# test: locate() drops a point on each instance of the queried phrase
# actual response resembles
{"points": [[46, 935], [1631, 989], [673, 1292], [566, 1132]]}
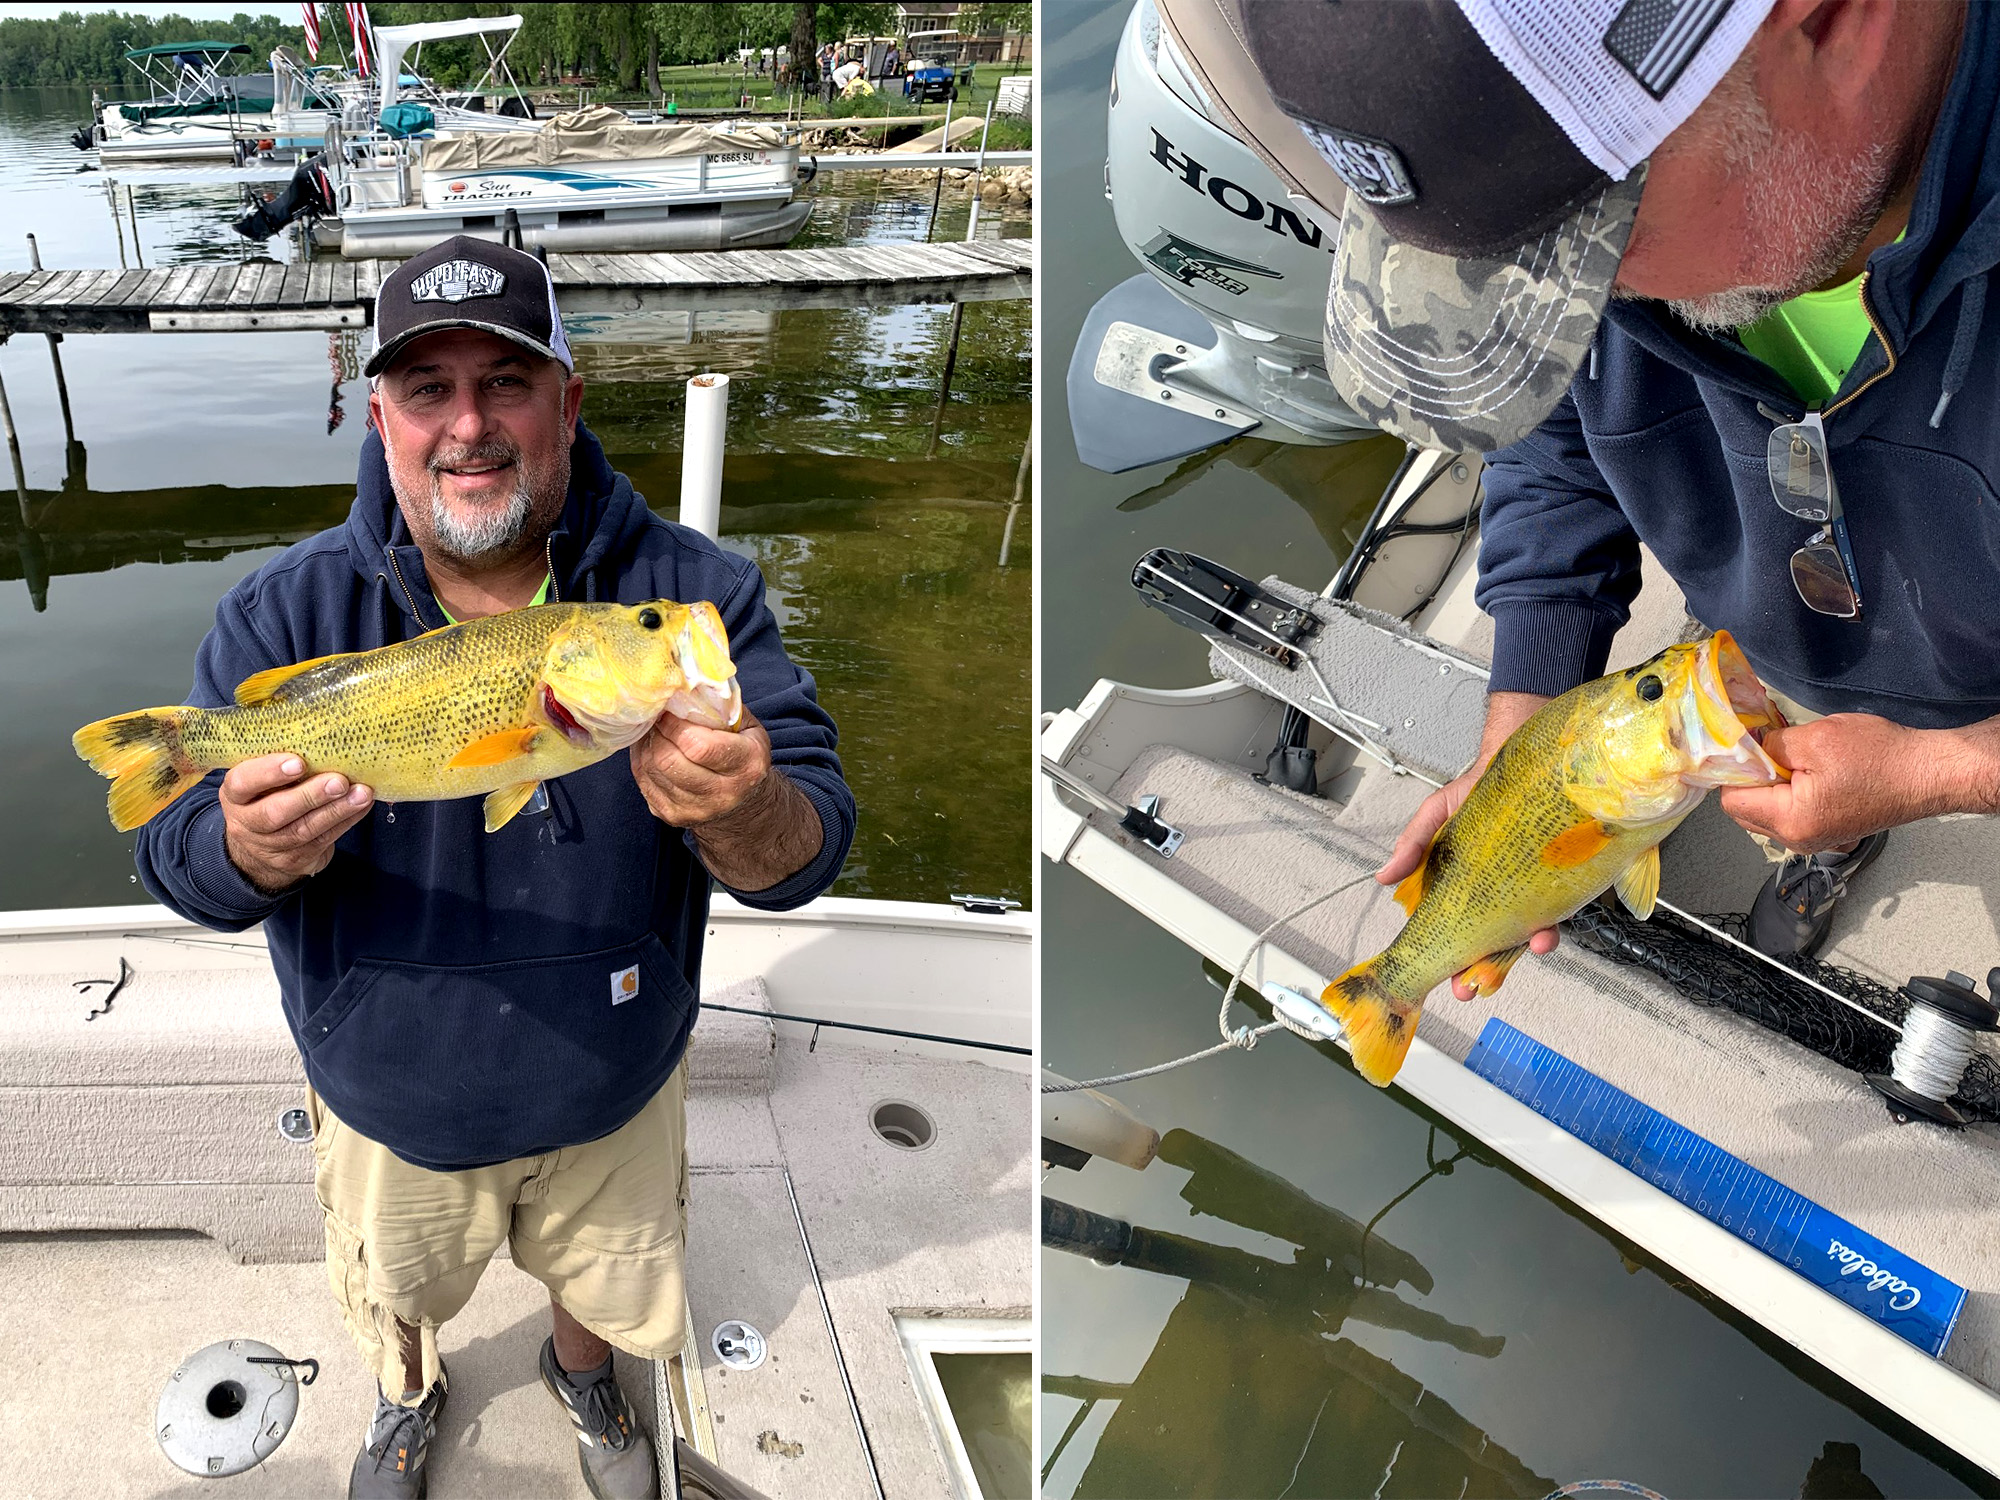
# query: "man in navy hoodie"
{"points": [[1708, 275], [493, 1025]]}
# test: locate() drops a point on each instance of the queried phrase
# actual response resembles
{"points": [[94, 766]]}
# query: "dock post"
{"points": [[132, 208], [117, 223], [701, 453], [937, 189], [55, 356], [1020, 490], [944, 385]]}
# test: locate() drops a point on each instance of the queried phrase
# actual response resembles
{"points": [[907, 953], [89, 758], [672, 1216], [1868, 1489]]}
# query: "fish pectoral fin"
{"points": [[1639, 886], [1411, 891], [268, 685], [1486, 976], [1573, 846], [509, 800], [498, 749]]}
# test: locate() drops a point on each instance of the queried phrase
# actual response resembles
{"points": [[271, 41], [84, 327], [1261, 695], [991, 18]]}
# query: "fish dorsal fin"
{"points": [[1411, 891], [1486, 976], [503, 804], [498, 749], [1574, 845], [268, 686], [1639, 886]]}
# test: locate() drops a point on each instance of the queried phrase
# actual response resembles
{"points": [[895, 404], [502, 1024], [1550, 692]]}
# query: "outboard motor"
{"points": [[1222, 336], [309, 192]]}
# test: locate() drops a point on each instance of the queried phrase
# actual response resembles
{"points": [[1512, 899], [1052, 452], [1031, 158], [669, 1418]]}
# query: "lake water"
{"points": [[198, 456], [1559, 1352]]}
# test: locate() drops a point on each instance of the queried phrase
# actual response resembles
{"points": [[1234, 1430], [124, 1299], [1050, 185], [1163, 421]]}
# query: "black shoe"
{"points": [[390, 1465], [616, 1457], [1794, 908]]}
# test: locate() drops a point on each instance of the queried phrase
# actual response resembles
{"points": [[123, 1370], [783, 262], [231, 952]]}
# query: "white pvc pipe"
{"points": [[701, 454]]}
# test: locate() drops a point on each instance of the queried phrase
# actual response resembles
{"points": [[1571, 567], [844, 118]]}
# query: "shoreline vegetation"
{"points": [[639, 51]]}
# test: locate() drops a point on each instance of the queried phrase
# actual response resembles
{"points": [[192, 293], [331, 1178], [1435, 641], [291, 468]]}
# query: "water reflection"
{"points": [[1250, 1388]]}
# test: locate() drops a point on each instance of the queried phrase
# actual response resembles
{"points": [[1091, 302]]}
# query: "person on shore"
{"points": [[493, 1025], [1696, 276]]}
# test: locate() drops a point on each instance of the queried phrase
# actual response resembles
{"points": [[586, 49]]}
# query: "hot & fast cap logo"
{"points": [[457, 280]]}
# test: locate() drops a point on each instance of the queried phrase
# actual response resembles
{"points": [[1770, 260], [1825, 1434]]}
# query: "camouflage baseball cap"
{"points": [[1493, 153]]}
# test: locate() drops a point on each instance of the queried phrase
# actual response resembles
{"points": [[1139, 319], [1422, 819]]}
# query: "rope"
{"points": [[1242, 1037]]}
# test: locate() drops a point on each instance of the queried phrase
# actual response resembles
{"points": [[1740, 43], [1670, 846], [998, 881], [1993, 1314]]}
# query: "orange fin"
{"points": [[1378, 1025], [1486, 976], [497, 749], [503, 804], [268, 685], [142, 753], [1575, 845], [1639, 886], [1411, 891]]}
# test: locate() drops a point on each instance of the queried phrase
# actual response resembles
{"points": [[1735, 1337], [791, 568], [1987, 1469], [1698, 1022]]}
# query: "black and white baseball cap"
{"points": [[469, 283], [1493, 153]]}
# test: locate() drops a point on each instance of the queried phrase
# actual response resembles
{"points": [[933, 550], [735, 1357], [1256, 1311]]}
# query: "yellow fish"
{"points": [[492, 706], [1576, 801]]}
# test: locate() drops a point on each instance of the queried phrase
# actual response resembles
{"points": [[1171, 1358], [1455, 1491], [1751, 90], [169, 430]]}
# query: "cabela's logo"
{"points": [[456, 280], [1854, 1263], [1188, 263]]}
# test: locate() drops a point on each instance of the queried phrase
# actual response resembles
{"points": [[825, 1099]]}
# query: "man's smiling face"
{"points": [[477, 431]]}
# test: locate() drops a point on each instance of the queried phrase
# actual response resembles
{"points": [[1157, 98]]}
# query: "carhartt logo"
{"points": [[625, 985], [1188, 263], [1373, 170], [456, 280]]}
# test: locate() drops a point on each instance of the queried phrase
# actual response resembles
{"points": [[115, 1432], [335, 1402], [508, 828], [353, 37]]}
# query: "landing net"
{"points": [[1711, 973]]}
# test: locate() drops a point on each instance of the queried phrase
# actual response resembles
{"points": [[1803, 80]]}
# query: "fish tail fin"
{"points": [[142, 753], [1378, 1022]]}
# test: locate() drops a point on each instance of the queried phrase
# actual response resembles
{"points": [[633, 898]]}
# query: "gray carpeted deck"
{"points": [[1928, 905]]}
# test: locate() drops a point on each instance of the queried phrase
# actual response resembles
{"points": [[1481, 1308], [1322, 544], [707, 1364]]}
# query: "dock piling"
{"points": [[1020, 491], [701, 453], [937, 190], [132, 208], [55, 357], [117, 223]]}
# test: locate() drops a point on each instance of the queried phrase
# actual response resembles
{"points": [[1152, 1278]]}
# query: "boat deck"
{"points": [[265, 296], [160, 1112]]}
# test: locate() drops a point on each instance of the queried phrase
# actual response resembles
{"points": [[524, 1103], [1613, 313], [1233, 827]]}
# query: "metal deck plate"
{"points": [[220, 1414]]}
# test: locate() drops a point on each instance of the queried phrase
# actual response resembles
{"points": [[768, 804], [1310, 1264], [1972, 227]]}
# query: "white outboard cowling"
{"points": [[1222, 334]]}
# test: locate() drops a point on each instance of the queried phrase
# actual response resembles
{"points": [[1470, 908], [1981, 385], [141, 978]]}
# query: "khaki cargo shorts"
{"points": [[601, 1225]]}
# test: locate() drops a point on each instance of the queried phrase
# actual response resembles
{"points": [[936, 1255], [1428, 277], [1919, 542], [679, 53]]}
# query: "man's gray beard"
{"points": [[474, 538], [1809, 214]]}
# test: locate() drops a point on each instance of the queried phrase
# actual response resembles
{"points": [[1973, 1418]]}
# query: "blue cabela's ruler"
{"points": [[1908, 1299]]}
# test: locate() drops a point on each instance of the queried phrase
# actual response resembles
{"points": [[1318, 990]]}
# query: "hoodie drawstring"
{"points": [[1971, 308]]}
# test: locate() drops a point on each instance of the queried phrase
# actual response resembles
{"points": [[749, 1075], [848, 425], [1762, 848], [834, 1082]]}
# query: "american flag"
{"points": [[312, 29], [357, 22]]}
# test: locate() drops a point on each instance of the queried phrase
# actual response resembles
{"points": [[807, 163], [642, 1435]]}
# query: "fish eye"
{"points": [[1649, 688], [649, 619]]}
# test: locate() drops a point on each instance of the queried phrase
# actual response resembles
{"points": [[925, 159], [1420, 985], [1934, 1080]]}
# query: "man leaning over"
{"points": [[493, 1025], [1708, 275]]}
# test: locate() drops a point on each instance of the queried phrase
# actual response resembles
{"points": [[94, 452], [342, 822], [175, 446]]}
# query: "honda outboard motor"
{"points": [[309, 192], [1222, 335]]}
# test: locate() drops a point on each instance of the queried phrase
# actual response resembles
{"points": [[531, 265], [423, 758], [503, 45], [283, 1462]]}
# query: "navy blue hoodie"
{"points": [[455, 993], [1660, 439]]}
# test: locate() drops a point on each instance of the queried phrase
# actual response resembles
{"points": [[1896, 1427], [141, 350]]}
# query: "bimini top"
{"points": [[166, 49]]}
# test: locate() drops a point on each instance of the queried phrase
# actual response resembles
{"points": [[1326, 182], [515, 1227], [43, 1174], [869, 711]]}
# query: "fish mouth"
{"points": [[710, 695], [1725, 713]]}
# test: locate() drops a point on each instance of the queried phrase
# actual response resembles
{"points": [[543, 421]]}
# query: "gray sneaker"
{"points": [[1793, 911], [617, 1458], [390, 1465]]}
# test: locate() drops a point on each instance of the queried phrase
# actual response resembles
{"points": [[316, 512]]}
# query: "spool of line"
{"points": [[1939, 1033]]}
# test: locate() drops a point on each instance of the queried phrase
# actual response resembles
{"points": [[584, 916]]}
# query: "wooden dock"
{"points": [[262, 296]]}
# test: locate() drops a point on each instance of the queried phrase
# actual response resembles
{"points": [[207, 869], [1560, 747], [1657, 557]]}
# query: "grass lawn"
{"points": [[723, 85]]}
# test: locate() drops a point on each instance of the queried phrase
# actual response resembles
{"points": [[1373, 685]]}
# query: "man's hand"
{"points": [[690, 774], [1856, 774], [1505, 712], [278, 829], [753, 827]]}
